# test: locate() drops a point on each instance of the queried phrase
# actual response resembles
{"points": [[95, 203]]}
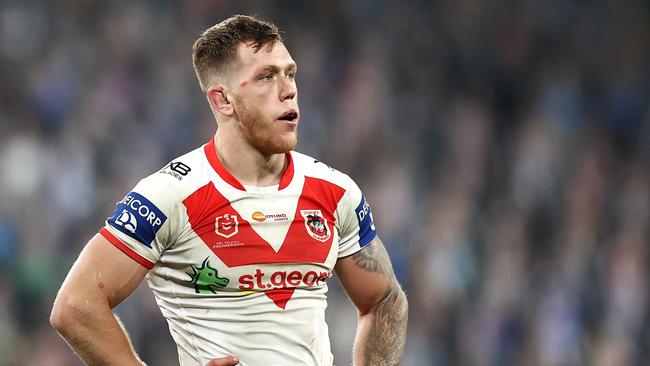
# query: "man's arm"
{"points": [[99, 280], [367, 277]]}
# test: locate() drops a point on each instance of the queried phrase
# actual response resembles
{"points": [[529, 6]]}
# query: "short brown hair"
{"points": [[217, 45]]}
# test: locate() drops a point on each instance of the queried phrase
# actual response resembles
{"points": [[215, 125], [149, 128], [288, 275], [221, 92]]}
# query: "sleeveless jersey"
{"points": [[242, 270]]}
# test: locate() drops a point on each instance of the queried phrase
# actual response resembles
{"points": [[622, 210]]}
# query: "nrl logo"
{"points": [[316, 225], [227, 225], [206, 279]]}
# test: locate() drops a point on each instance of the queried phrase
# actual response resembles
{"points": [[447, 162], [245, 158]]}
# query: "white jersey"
{"points": [[242, 270]]}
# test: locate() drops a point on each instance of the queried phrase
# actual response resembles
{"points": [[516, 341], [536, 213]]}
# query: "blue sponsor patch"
{"points": [[367, 230], [138, 218]]}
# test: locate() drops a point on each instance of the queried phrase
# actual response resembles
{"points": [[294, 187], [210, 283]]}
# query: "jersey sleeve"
{"points": [[354, 220], [142, 225]]}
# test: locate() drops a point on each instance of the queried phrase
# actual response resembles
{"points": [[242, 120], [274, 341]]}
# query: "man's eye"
{"points": [[291, 75], [266, 77]]}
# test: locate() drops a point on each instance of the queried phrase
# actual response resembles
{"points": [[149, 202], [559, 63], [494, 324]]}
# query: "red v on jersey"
{"points": [[280, 296], [246, 247], [207, 209]]}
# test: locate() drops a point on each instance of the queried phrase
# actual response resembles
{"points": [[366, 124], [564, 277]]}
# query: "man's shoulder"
{"points": [[179, 177], [315, 168], [184, 167]]}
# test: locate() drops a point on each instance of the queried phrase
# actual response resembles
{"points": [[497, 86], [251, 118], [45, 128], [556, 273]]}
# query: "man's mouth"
{"points": [[289, 116]]}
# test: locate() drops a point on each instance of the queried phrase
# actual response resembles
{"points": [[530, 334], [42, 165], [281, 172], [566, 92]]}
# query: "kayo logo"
{"points": [[227, 225], [127, 221]]}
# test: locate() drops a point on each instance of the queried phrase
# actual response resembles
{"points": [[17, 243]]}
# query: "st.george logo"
{"points": [[316, 225], [227, 225], [127, 221]]}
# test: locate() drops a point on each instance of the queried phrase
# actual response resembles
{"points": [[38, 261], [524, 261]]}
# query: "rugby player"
{"points": [[238, 238]]}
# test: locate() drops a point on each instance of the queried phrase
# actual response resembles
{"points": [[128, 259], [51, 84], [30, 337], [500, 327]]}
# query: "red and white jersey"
{"points": [[242, 270]]}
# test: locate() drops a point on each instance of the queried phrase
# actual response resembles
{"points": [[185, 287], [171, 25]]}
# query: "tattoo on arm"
{"points": [[387, 334], [373, 258]]}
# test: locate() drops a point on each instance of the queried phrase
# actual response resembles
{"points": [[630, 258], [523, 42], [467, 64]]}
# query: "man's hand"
{"points": [[223, 361]]}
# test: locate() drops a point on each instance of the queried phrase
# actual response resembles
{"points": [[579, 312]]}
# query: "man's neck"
{"points": [[247, 164]]}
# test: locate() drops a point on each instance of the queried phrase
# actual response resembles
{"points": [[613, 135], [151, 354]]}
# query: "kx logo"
{"points": [[179, 168], [176, 169]]}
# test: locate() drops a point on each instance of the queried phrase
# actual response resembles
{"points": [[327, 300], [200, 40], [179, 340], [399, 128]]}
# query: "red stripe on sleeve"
{"points": [[128, 251]]}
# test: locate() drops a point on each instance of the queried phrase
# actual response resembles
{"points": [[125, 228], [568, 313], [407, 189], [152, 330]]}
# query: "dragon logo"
{"points": [[206, 279], [316, 225]]}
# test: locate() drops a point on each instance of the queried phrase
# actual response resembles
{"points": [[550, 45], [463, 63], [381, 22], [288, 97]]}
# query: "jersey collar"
{"points": [[213, 159]]}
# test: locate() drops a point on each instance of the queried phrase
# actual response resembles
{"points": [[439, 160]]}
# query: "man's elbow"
{"points": [[395, 303], [68, 312], [402, 302], [393, 300], [62, 315]]}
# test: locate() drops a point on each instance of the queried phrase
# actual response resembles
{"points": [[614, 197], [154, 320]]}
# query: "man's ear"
{"points": [[218, 98]]}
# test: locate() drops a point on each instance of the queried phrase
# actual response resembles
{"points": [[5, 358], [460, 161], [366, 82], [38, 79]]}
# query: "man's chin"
{"points": [[285, 148], [286, 144], [291, 144], [277, 147]]}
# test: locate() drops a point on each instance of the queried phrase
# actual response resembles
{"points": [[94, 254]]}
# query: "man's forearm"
{"points": [[381, 334], [95, 334]]}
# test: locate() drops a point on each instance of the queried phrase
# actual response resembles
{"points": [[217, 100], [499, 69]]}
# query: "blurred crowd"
{"points": [[504, 147]]}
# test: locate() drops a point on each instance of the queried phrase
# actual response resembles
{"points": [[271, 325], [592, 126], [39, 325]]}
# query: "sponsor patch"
{"points": [[261, 217], [138, 218], [316, 225], [258, 216], [367, 230], [279, 286]]}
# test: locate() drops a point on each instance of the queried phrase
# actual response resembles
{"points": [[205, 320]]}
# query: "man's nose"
{"points": [[288, 88]]}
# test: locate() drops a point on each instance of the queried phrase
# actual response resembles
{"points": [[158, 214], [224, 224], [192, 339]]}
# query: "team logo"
{"points": [[206, 279], [127, 221], [227, 225], [258, 216], [316, 225]]}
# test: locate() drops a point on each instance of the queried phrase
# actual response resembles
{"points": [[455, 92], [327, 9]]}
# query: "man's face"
{"points": [[265, 97]]}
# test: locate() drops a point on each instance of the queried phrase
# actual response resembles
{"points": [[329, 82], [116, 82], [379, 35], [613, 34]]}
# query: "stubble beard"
{"points": [[260, 134]]}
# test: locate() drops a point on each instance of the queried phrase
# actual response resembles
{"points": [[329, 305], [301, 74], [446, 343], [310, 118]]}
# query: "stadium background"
{"points": [[503, 145]]}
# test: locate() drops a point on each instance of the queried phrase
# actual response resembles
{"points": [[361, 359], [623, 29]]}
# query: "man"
{"points": [[238, 238]]}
